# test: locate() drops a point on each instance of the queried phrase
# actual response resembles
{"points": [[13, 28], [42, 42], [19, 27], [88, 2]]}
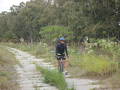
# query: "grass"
{"points": [[112, 82], [54, 78], [7, 70], [40, 50], [90, 64], [93, 65], [98, 65]]}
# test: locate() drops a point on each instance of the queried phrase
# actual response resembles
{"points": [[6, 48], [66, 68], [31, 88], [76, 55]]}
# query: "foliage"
{"points": [[90, 62], [52, 33], [96, 19], [109, 46]]}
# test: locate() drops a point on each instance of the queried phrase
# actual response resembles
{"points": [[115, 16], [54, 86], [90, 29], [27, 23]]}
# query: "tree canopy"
{"points": [[32, 21]]}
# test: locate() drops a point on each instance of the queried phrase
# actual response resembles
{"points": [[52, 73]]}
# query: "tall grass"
{"points": [[98, 65]]}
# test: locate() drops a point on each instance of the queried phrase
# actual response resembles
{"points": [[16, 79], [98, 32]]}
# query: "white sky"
{"points": [[6, 4]]}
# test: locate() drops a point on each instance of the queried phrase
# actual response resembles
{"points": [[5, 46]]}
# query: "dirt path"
{"points": [[30, 79]]}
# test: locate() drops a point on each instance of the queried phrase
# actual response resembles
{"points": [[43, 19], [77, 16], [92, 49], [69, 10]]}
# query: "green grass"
{"points": [[7, 70], [53, 77], [98, 65], [87, 63], [92, 65]]}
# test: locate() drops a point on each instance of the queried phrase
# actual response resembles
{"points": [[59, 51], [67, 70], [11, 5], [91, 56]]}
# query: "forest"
{"points": [[45, 20]]}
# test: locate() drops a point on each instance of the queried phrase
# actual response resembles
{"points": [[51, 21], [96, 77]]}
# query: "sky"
{"points": [[6, 4]]}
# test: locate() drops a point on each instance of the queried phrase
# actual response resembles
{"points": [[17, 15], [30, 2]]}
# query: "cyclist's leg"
{"points": [[59, 65], [62, 65], [58, 62], [60, 69], [64, 60]]}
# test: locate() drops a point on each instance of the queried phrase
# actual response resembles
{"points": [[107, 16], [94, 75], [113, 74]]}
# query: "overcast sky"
{"points": [[6, 4]]}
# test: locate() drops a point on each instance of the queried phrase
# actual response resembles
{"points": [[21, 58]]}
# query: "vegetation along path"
{"points": [[30, 79]]}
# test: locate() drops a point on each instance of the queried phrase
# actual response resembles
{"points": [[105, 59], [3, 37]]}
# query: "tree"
{"points": [[52, 33]]}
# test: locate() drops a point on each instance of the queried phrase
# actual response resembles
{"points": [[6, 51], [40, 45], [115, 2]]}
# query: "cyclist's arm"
{"points": [[66, 50], [56, 50]]}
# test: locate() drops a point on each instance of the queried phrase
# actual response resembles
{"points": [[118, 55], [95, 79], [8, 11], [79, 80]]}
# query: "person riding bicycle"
{"points": [[61, 50]]}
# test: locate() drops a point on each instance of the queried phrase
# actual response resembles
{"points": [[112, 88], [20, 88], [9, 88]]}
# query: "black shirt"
{"points": [[61, 49]]}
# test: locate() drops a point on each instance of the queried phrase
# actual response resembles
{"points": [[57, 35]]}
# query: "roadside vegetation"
{"points": [[8, 74], [100, 60], [53, 77]]}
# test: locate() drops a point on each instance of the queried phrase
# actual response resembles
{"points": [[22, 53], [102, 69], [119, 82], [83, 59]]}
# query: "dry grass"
{"points": [[7, 71]]}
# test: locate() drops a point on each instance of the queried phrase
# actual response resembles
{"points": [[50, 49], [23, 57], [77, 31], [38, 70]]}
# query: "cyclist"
{"points": [[61, 50]]}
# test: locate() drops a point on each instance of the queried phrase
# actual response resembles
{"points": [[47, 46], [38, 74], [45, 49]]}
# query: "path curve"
{"points": [[30, 79]]}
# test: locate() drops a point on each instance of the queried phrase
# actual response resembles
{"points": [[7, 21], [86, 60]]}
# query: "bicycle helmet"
{"points": [[62, 39]]}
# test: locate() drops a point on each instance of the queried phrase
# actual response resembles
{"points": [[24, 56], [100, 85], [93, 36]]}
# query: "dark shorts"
{"points": [[61, 57]]}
